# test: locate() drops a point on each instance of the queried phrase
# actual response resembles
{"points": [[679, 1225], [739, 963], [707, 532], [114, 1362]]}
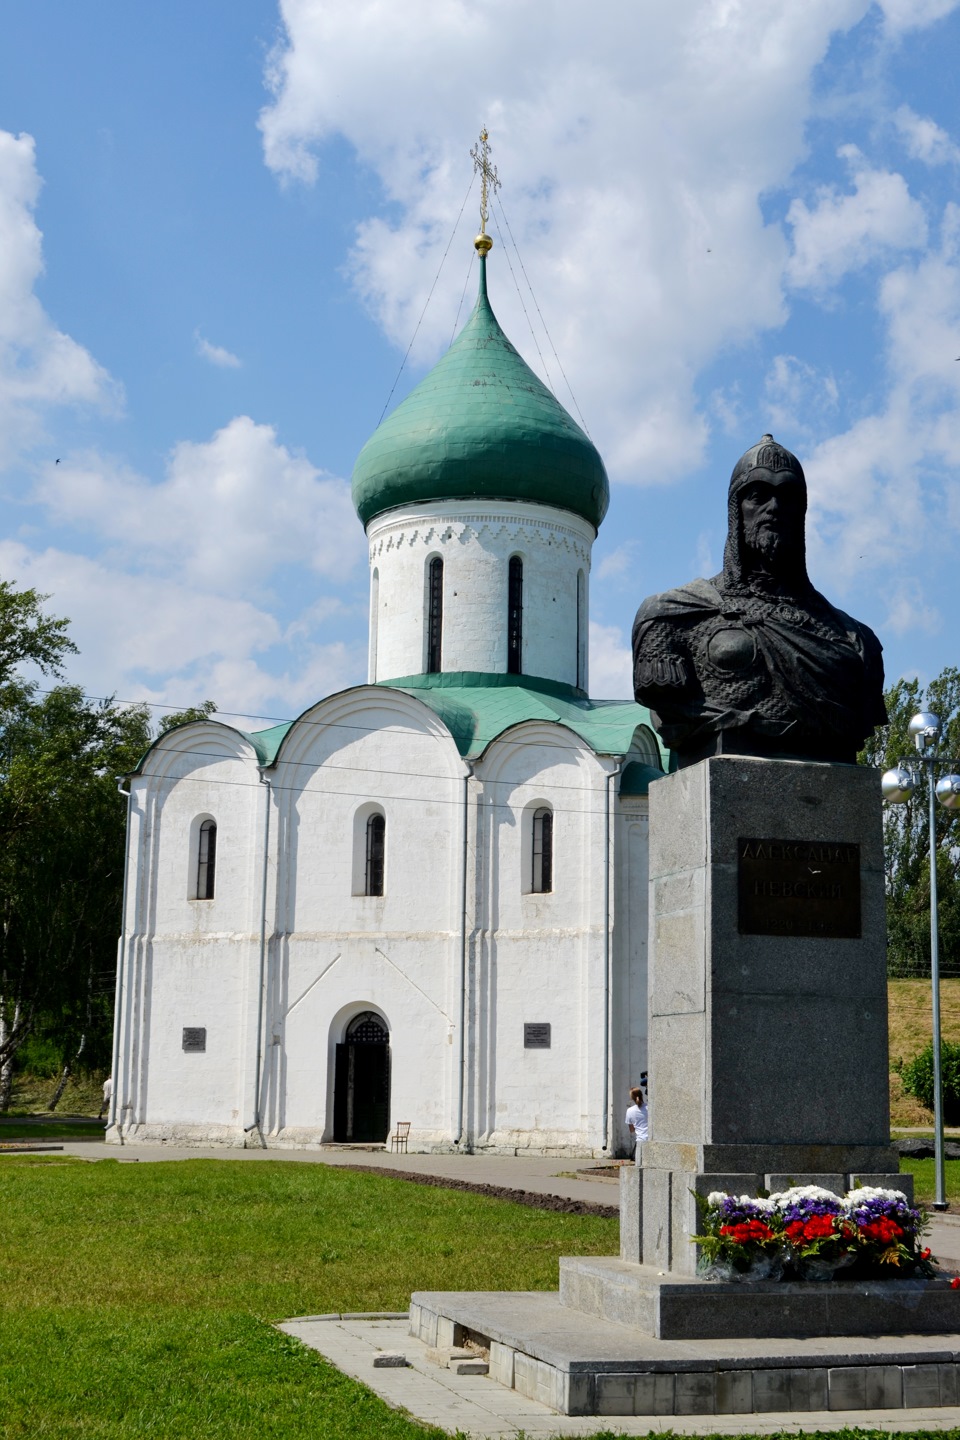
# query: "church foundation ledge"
{"points": [[198, 1136], [501, 1143]]}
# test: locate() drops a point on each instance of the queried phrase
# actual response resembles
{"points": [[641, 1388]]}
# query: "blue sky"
{"points": [[219, 223]]}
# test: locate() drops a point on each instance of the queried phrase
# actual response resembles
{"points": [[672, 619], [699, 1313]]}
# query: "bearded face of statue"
{"points": [[772, 507]]}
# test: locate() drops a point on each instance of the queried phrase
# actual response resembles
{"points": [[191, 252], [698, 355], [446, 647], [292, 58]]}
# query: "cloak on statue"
{"points": [[754, 663]]}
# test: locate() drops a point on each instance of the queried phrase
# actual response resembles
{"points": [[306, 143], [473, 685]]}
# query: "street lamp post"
{"points": [[898, 786]]}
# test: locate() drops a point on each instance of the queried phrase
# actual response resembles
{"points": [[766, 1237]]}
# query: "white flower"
{"points": [[796, 1193], [716, 1198], [862, 1193]]}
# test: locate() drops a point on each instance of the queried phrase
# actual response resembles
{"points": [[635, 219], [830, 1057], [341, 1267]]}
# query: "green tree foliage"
{"points": [[906, 833], [62, 826], [62, 840], [28, 636], [917, 1077], [203, 711]]}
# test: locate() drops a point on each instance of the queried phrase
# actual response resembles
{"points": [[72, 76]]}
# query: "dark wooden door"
{"points": [[361, 1095]]}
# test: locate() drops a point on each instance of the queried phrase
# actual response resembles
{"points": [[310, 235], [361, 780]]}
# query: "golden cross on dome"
{"points": [[489, 184]]}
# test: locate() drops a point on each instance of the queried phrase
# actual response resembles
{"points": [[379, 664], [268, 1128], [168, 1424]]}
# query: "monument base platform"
{"points": [[681, 1307], [580, 1364]]}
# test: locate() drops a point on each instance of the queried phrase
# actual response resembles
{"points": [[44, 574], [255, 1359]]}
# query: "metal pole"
{"points": [[940, 1203]]}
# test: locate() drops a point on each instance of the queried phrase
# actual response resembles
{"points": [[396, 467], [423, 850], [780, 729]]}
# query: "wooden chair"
{"points": [[398, 1140]]}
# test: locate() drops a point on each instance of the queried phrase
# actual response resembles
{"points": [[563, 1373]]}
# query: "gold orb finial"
{"points": [[483, 244]]}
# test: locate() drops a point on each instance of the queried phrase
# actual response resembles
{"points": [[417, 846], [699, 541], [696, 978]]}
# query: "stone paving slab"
{"points": [[483, 1409]]}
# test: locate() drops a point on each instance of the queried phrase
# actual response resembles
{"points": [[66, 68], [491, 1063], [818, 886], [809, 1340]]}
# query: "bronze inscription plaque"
{"points": [[798, 887]]}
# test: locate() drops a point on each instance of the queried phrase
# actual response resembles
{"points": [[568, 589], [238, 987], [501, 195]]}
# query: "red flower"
{"points": [[955, 1283], [815, 1227], [745, 1231], [883, 1229], [925, 1254]]}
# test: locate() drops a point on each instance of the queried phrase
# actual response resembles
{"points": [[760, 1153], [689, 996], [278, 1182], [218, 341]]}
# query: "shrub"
{"points": [[917, 1077]]}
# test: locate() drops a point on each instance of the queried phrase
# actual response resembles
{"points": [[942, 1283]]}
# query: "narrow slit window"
{"points": [[374, 624], [581, 632], [434, 615], [376, 833], [542, 852], [206, 859], [515, 616]]}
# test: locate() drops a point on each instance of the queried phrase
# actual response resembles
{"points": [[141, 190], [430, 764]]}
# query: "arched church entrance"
{"points": [[361, 1086]]}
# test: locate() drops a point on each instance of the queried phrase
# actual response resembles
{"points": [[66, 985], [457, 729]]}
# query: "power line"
{"points": [[546, 331], [426, 303]]}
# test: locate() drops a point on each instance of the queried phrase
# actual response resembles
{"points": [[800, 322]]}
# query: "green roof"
{"points": [[480, 425], [265, 743], [476, 708]]}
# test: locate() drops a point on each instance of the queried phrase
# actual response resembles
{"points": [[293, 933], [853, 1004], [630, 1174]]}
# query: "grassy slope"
{"points": [[82, 1096], [135, 1300], [910, 1031]]}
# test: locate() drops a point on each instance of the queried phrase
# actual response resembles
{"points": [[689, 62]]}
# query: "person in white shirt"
{"points": [[637, 1116]]}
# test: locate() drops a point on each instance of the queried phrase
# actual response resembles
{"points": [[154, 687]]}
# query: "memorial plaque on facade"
{"points": [[536, 1037], [195, 1038], [798, 887]]}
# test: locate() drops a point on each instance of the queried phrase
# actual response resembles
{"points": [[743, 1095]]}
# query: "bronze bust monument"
{"points": [[756, 661]]}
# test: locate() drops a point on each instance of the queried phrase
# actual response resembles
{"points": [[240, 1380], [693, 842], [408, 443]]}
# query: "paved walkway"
{"points": [[479, 1407]]}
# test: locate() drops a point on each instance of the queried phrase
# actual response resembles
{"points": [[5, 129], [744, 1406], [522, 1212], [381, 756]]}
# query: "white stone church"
{"points": [[424, 901]]}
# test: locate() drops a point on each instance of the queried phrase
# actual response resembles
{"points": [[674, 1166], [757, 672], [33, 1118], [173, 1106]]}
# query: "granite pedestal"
{"points": [[768, 990]]}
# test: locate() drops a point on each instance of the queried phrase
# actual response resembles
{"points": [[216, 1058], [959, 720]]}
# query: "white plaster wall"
{"points": [[189, 962], [476, 541], [337, 953], [539, 957]]}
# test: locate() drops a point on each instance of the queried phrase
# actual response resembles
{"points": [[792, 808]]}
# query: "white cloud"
{"points": [[611, 663], [40, 366], [844, 232], [216, 354], [191, 585], [634, 144], [799, 399], [229, 512], [924, 139], [903, 15], [176, 644], [618, 562], [909, 613], [178, 598], [881, 492]]}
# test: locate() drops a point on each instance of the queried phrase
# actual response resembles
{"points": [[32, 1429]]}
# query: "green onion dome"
{"points": [[480, 425]]}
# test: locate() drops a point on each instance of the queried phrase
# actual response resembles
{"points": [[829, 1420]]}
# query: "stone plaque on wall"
{"points": [[536, 1036], [798, 887], [195, 1038]]}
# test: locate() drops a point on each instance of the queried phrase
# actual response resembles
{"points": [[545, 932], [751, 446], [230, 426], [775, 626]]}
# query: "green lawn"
{"points": [[925, 1183], [136, 1300]]}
